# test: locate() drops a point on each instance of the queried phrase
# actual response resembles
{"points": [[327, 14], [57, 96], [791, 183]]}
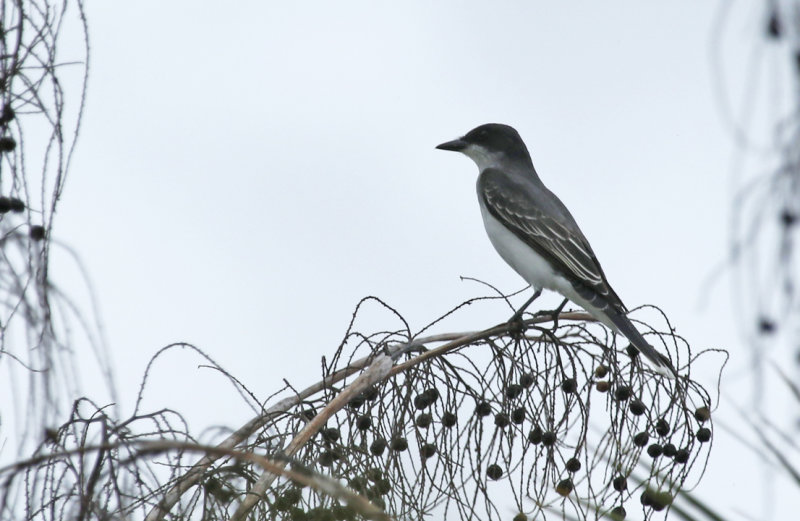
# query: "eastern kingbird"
{"points": [[536, 235]]}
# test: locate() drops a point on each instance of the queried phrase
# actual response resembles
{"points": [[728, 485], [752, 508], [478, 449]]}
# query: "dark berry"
{"points": [[383, 487], [660, 500], [327, 458], [292, 495], [622, 393], [670, 450], [371, 394], [356, 402], [364, 422], [520, 517], [374, 475], [214, 487], [513, 390], [641, 439], [51, 436], [646, 498], [358, 483], [308, 414], [377, 446], [17, 206], [449, 419], [518, 416], [573, 465], [637, 407], [570, 385], [766, 326], [37, 232], [423, 420], [620, 483], [535, 436], [494, 472], [6, 115], [399, 444], [682, 456], [331, 434], [549, 438], [602, 386], [703, 434], [662, 427], [632, 351], [702, 414], [7, 144], [655, 450], [428, 450], [564, 487], [601, 371], [526, 380], [432, 393], [280, 504], [788, 218], [618, 513], [501, 420], [422, 401], [483, 409]]}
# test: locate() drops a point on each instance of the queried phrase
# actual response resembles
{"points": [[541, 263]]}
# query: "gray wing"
{"points": [[538, 218]]}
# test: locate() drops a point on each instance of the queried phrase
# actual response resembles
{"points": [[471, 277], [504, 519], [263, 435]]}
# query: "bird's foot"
{"points": [[554, 313], [516, 323]]}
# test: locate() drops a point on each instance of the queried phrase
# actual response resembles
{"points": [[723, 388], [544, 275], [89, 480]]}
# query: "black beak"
{"points": [[457, 145]]}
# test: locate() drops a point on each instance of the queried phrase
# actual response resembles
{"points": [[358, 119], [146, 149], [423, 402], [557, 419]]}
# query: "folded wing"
{"points": [[559, 241]]}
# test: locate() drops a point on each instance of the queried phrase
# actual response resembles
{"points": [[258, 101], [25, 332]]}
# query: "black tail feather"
{"points": [[626, 327]]}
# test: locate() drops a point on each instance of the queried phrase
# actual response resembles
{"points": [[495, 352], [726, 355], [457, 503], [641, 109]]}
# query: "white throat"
{"points": [[484, 158]]}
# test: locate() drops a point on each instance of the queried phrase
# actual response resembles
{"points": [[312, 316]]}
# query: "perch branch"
{"points": [[196, 472]]}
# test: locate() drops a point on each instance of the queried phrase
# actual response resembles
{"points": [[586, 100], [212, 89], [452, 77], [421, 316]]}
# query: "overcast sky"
{"points": [[248, 171]]}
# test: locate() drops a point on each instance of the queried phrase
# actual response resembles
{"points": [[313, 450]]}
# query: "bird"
{"points": [[534, 232]]}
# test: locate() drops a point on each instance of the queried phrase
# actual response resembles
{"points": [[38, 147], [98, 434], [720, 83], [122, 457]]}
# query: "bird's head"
{"points": [[491, 145]]}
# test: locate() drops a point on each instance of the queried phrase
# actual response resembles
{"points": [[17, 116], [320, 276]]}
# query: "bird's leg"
{"points": [[518, 315], [557, 312], [554, 313]]}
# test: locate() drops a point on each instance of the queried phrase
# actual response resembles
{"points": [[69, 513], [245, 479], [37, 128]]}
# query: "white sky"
{"points": [[248, 171]]}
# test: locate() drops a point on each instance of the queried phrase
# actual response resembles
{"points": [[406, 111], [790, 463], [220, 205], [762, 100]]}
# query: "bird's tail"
{"points": [[660, 362]]}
